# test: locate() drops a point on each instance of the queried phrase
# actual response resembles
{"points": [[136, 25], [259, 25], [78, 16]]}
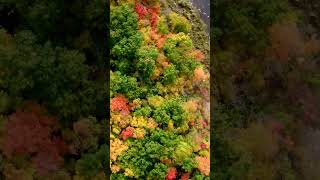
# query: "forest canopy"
{"points": [[159, 91], [53, 89], [266, 74]]}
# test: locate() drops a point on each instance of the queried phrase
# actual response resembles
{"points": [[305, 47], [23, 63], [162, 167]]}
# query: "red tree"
{"points": [[120, 103], [172, 174], [185, 176], [128, 132], [29, 132], [144, 11], [154, 11], [140, 10]]}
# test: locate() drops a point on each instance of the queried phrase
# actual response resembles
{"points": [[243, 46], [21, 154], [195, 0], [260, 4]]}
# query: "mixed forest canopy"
{"points": [[53, 89], [266, 85], [159, 92]]}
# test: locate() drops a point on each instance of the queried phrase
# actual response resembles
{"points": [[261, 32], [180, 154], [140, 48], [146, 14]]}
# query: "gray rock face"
{"points": [[203, 6]]}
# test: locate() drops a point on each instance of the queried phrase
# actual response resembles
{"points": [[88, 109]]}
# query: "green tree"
{"points": [[170, 110], [170, 74], [144, 156], [55, 76], [179, 23], [159, 171], [127, 85], [92, 164], [125, 38], [246, 21], [146, 63], [175, 50]]}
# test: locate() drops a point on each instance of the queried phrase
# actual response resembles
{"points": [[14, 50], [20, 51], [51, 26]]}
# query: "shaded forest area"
{"points": [[266, 85], [53, 89]]}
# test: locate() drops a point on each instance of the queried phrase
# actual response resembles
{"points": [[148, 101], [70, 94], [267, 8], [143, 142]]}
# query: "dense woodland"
{"points": [[53, 89], [159, 92], [266, 89]]}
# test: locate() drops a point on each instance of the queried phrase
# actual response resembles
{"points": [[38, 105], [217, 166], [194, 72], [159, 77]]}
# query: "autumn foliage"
{"points": [[29, 132], [53, 89], [128, 132], [141, 10], [172, 174], [158, 95], [151, 11], [120, 103], [287, 41]]}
